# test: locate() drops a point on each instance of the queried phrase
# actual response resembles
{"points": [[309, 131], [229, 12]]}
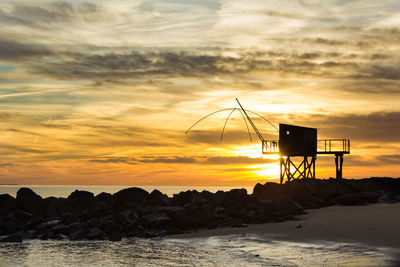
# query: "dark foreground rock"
{"points": [[135, 212]]}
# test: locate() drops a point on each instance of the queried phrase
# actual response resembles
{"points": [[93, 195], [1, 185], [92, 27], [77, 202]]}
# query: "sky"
{"points": [[102, 92]]}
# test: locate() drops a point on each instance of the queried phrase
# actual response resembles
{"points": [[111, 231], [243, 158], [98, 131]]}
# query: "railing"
{"points": [[333, 146], [327, 146], [270, 147]]}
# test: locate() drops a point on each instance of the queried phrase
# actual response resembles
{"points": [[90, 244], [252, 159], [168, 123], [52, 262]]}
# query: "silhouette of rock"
{"points": [[114, 236], [26, 194], [77, 231], [105, 197], [95, 233], [130, 197], [155, 219], [80, 194], [14, 238], [135, 212], [29, 201]]}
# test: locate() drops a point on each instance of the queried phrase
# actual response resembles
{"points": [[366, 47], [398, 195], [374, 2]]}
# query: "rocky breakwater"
{"points": [[133, 212]]}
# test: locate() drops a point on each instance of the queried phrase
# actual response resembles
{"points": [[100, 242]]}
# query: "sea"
{"points": [[229, 250], [234, 250], [66, 190]]}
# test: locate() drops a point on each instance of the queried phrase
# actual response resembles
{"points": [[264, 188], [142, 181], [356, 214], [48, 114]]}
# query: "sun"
{"points": [[270, 170]]}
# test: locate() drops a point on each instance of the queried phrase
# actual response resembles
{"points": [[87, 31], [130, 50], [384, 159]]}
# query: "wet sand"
{"points": [[376, 225]]}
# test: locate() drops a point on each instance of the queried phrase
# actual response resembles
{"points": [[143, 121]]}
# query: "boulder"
{"points": [[7, 204], [156, 198], [357, 199], [109, 226], [114, 236], [155, 219], [22, 215], [105, 197], [155, 194], [60, 228], [13, 238], [27, 195], [285, 205], [193, 217], [95, 233], [239, 195], [77, 232], [269, 191], [80, 194], [67, 218], [185, 197], [126, 218], [130, 197], [29, 201]]}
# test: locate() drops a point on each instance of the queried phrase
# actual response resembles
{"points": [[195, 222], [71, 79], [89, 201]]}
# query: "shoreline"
{"points": [[373, 225], [135, 212]]}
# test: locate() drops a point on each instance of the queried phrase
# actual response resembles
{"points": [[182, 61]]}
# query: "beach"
{"points": [[375, 225], [332, 236]]}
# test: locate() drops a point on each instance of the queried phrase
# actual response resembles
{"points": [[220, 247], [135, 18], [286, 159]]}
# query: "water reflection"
{"points": [[238, 250]]}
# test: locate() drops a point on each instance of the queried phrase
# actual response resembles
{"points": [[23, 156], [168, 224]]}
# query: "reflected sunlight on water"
{"points": [[235, 250]]}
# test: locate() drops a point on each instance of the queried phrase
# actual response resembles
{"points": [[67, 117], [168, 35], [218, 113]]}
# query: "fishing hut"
{"points": [[297, 146]]}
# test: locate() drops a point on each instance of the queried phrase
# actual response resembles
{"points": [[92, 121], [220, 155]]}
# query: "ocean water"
{"points": [[65, 190], [232, 250]]}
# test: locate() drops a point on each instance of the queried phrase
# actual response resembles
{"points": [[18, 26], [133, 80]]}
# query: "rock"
{"points": [[219, 197], [130, 197], [7, 204], [114, 236], [22, 215], [26, 195], [298, 225], [5, 198], [239, 195], [357, 199], [55, 207], [80, 194], [126, 218], [185, 197], [67, 218], [29, 201], [155, 194], [105, 197], [269, 191], [155, 219], [34, 221], [95, 233], [60, 228], [13, 238], [285, 205], [77, 232], [77, 206], [110, 226], [193, 217], [156, 198], [239, 225], [95, 222]]}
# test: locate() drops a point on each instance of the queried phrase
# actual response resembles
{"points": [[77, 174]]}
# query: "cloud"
{"points": [[207, 160], [392, 159], [377, 127], [175, 159], [237, 160], [11, 149], [49, 14], [13, 50]]}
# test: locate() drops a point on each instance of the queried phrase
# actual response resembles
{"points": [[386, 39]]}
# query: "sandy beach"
{"points": [[374, 225], [333, 236]]}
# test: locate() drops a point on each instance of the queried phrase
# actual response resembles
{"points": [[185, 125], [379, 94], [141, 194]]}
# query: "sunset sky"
{"points": [[102, 92]]}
